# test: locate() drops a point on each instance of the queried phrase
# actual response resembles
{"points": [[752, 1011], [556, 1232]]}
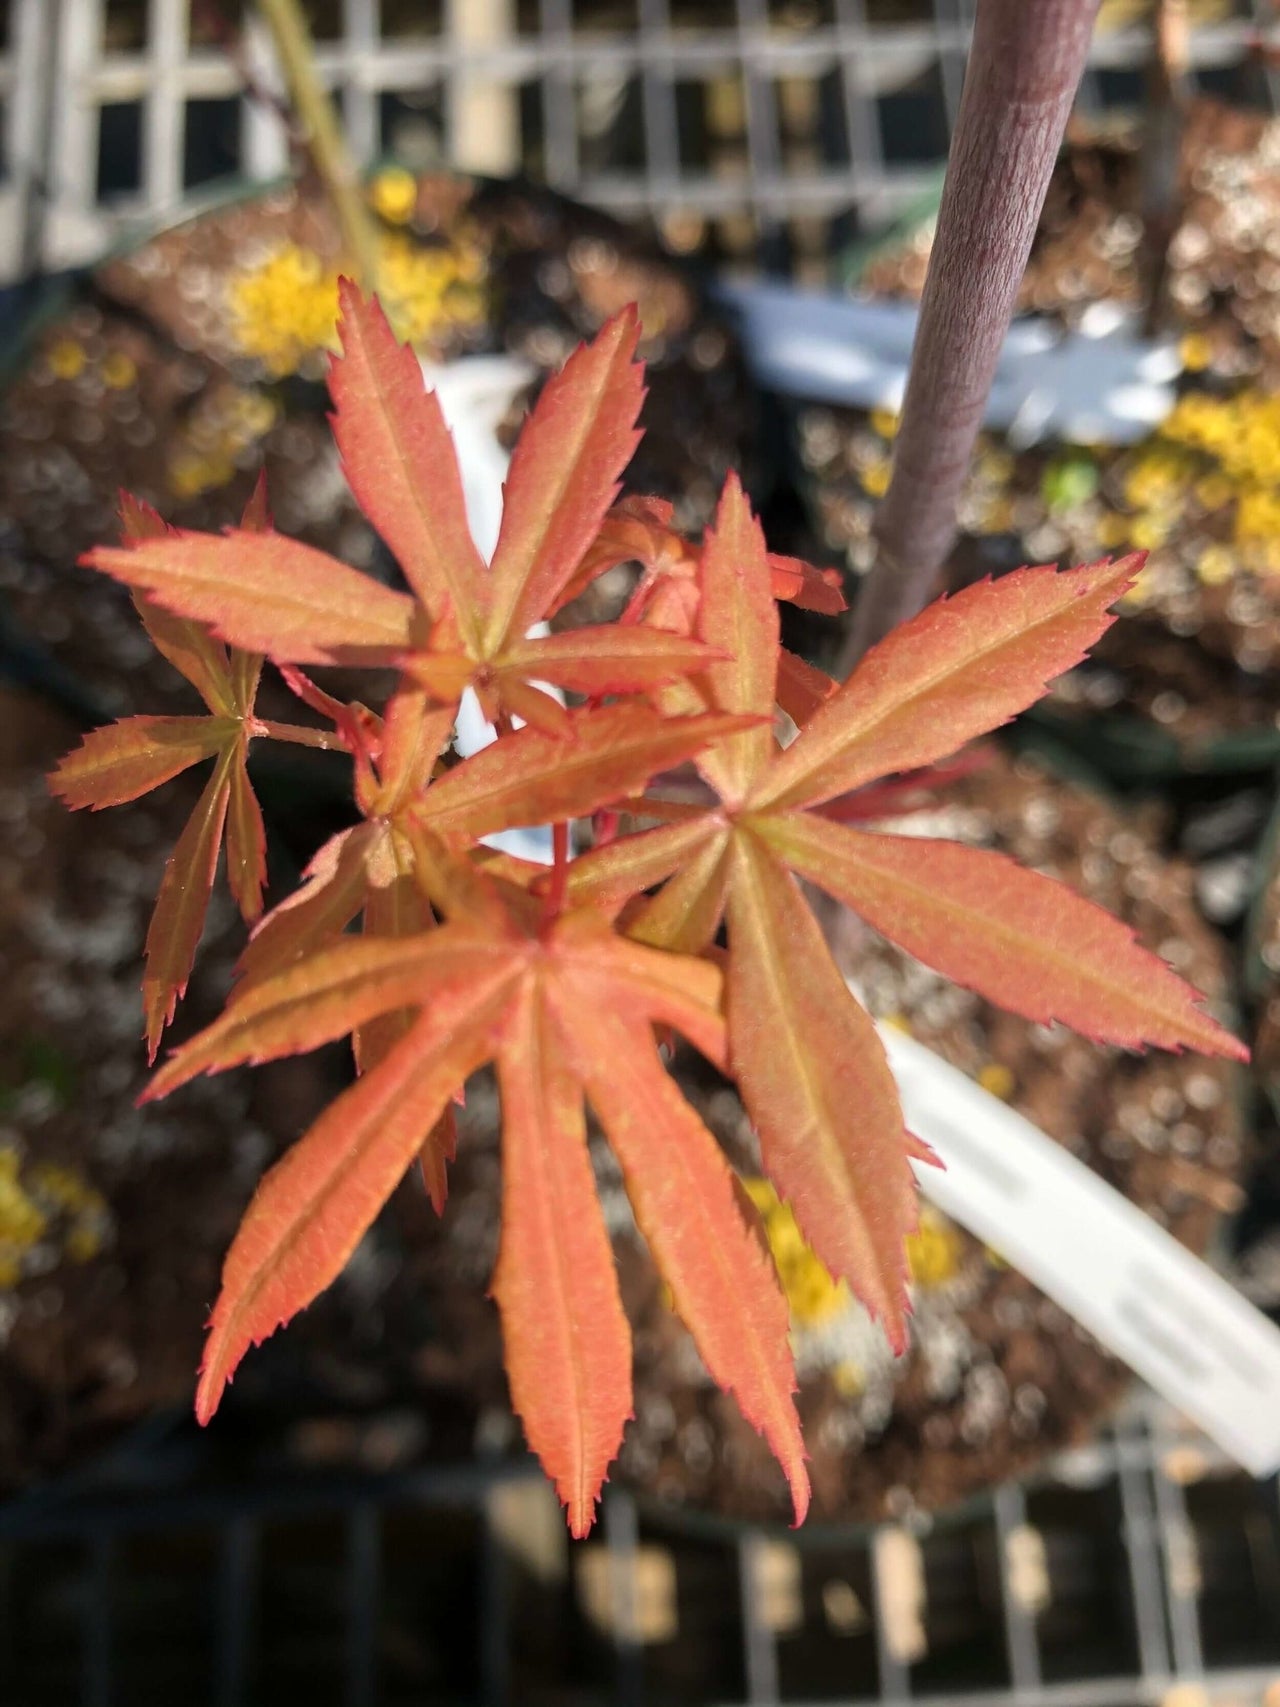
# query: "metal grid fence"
{"points": [[792, 121], [1141, 1572]]}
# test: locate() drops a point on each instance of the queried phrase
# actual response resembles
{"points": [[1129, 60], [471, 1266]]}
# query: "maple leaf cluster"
{"points": [[567, 978]]}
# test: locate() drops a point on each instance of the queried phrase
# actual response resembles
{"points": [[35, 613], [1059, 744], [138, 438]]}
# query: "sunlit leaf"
{"points": [[315, 1205], [126, 759], [1015, 937], [738, 615], [568, 1343], [178, 921], [266, 593], [318, 912], [399, 459], [964, 666], [535, 778], [565, 473], [334, 992], [191, 649], [682, 1190], [610, 660], [818, 1088]]}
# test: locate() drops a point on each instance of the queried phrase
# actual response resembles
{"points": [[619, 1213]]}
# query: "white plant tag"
{"points": [[1176, 1323], [474, 395], [1099, 384]]}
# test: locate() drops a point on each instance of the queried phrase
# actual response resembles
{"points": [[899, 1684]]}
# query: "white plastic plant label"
{"points": [[1176, 1323], [474, 395], [1098, 384]]}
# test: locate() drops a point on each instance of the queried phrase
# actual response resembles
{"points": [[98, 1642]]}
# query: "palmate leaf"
{"points": [[564, 981], [467, 623], [136, 754], [812, 1073], [564, 1007]]}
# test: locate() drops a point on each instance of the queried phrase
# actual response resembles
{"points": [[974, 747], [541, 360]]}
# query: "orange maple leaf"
{"points": [[132, 756], [559, 980], [566, 1009], [813, 1075], [467, 623]]}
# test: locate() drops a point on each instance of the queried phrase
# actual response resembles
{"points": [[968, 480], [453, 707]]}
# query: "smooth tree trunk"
{"points": [[1024, 68]]}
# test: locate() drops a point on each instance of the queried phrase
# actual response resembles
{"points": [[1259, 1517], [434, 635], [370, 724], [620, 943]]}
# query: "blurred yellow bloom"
{"points": [[394, 194]]}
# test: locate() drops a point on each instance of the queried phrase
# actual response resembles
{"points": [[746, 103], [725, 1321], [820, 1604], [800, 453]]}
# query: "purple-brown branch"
{"points": [[1161, 158], [1024, 68]]}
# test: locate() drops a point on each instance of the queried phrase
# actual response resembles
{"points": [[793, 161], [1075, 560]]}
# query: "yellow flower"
{"points": [[394, 194], [1257, 516], [1150, 530], [1113, 530], [66, 359], [1215, 565], [119, 371], [286, 308], [48, 1202], [933, 1250], [875, 477], [813, 1295], [1196, 351], [996, 1078], [214, 440], [22, 1221], [885, 422]]}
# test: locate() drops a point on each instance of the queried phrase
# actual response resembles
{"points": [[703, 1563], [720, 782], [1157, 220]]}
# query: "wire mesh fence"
{"points": [[758, 129], [1140, 1566]]}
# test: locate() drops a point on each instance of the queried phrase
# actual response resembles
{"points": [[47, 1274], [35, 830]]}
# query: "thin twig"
{"points": [[1023, 71], [229, 38], [323, 134]]}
